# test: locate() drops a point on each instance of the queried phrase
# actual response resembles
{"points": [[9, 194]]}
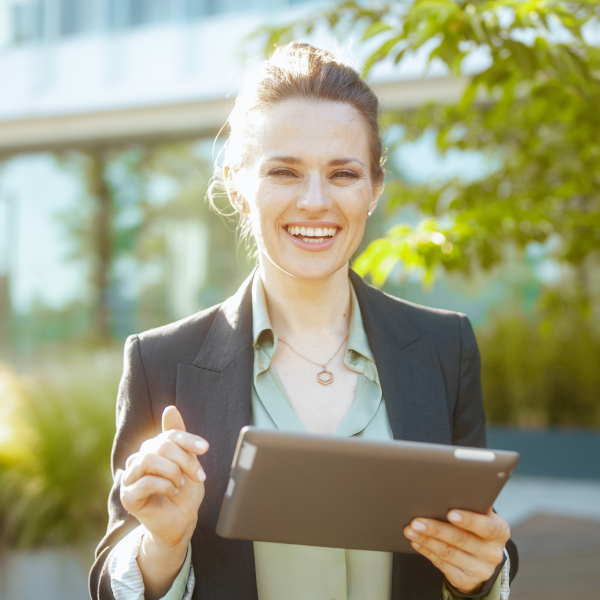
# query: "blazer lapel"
{"points": [[214, 397], [214, 393], [408, 366]]}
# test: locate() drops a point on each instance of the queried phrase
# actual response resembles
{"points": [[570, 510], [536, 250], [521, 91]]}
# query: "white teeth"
{"points": [[310, 232]]}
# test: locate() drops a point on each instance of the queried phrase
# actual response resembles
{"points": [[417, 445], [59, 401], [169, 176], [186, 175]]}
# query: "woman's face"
{"points": [[307, 186]]}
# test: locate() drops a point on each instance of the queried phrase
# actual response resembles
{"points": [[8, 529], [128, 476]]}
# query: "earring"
{"points": [[369, 213]]}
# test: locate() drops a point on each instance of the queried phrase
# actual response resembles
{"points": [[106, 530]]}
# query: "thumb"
{"points": [[171, 419]]}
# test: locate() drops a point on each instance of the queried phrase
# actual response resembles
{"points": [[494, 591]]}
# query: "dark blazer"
{"points": [[428, 365]]}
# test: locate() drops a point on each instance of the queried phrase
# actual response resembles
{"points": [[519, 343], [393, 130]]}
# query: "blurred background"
{"points": [[109, 117]]}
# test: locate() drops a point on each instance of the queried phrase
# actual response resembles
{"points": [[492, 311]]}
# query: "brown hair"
{"points": [[296, 71]]}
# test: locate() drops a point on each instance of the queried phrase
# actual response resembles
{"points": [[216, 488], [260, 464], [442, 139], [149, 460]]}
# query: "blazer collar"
{"points": [[408, 366], [231, 331], [390, 325]]}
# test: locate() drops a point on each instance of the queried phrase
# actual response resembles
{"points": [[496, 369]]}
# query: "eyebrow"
{"points": [[336, 162]]}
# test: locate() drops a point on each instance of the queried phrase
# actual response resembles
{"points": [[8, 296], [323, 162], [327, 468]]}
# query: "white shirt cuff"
{"points": [[126, 578]]}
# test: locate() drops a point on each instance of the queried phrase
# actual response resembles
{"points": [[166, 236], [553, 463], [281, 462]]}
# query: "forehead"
{"points": [[312, 129]]}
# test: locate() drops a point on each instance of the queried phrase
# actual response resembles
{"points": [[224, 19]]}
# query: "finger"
{"points": [[487, 527], [154, 464], [456, 576], [477, 569], [130, 459], [134, 497], [187, 462], [188, 441], [172, 419], [453, 535]]}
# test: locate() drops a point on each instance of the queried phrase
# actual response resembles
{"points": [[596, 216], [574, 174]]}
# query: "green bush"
{"points": [[540, 374], [58, 427]]}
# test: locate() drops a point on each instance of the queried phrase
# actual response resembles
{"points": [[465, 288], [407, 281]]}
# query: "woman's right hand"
{"points": [[163, 483]]}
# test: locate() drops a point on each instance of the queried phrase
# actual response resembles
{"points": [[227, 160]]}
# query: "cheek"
{"points": [[355, 206], [266, 209], [270, 202]]}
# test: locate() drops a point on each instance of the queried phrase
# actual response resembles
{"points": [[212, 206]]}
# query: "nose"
{"points": [[314, 198]]}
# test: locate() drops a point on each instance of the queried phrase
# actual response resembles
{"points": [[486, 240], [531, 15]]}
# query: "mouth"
{"points": [[312, 235]]}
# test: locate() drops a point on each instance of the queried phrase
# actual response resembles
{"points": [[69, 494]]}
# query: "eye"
{"points": [[346, 175], [282, 173]]}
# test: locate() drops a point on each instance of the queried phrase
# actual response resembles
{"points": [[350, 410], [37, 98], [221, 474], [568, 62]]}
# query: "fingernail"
{"points": [[454, 516], [415, 545], [418, 525], [201, 475], [182, 481], [176, 491], [412, 534], [200, 445]]}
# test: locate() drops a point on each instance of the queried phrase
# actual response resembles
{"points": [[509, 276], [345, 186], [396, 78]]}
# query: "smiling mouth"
{"points": [[312, 235]]}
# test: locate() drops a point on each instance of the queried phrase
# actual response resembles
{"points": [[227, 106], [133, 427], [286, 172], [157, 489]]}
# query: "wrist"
{"points": [[482, 591], [167, 552]]}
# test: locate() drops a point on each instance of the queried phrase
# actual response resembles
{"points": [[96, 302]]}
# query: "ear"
{"points": [[235, 198], [377, 191]]}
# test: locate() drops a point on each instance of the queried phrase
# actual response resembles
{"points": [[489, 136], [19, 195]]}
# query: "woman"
{"points": [[305, 344]]}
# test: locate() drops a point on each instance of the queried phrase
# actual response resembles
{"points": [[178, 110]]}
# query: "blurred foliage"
{"points": [[56, 433], [540, 375], [150, 189], [532, 109]]}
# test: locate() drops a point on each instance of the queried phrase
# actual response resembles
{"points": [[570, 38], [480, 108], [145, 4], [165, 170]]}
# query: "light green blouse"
{"points": [[299, 572]]}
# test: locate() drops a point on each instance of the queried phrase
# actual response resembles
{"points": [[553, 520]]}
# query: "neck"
{"points": [[302, 308]]}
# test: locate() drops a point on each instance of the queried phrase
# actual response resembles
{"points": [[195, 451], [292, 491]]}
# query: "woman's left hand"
{"points": [[467, 550]]}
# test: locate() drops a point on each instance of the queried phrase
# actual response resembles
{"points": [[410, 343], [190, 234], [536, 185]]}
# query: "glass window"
{"points": [[18, 23], [149, 11], [26, 22], [194, 8], [38, 17], [76, 16], [114, 11]]}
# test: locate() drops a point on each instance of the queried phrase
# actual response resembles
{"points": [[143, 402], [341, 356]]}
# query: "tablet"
{"points": [[354, 493]]}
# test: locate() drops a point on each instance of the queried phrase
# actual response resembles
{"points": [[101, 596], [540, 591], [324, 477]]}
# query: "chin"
{"points": [[310, 270]]}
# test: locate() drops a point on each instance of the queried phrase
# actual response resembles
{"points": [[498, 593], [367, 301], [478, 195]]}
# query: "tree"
{"points": [[533, 109]]}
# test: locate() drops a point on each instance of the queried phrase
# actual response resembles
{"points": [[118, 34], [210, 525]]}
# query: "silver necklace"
{"points": [[325, 377]]}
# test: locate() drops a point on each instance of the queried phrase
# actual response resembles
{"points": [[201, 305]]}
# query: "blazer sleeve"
{"points": [[468, 419], [135, 424], [469, 412]]}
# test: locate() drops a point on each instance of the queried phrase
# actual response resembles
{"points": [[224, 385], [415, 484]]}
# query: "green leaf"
{"points": [[382, 52], [523, 56], [468, 96], [374, 29], [399, 56]]}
